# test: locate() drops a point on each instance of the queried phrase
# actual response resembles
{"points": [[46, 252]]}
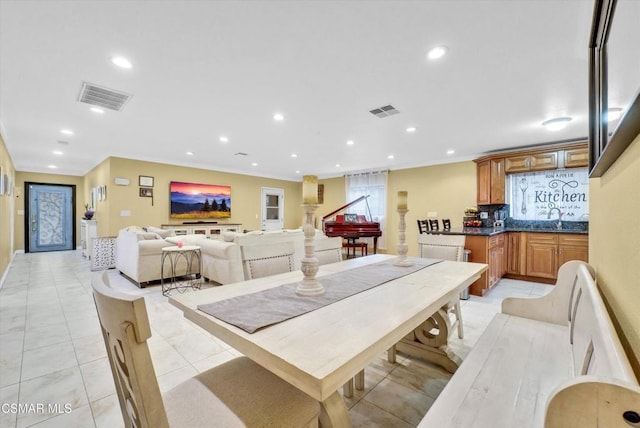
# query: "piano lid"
{"points": [[363, 197]]}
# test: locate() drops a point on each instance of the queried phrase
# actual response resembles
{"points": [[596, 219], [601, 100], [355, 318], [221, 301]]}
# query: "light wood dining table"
{"points": [[320, 351]]}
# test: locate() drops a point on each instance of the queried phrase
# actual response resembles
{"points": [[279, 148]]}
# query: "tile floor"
{"points": [[54, 366]]}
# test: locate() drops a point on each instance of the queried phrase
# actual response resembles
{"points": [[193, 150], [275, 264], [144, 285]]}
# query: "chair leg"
{"points": [[459, 319]]}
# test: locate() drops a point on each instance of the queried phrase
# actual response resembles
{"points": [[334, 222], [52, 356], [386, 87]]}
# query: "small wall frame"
{"points": [[145, 181], [146, 192]]}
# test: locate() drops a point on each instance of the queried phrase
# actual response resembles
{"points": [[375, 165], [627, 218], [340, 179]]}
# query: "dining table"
{"points": [[323, 349]]}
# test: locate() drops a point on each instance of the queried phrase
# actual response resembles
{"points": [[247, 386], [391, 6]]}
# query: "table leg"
{"points": [[424, 343], [333, 412], [359, 380]]}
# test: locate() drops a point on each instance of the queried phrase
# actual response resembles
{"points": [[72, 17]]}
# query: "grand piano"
{"points": [[352, 227]]}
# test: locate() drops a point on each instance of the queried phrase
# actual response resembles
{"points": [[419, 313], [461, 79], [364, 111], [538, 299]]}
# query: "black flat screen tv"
{"points": [[199, 201]]}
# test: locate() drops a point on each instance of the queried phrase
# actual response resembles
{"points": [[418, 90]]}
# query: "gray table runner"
{"points": [[251, 312]]}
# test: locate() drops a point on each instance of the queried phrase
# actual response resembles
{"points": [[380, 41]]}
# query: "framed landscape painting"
{"points": [[199, 201]]}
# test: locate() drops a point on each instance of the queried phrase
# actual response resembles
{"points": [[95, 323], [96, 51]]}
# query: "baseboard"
{"points": [[6, 271]]}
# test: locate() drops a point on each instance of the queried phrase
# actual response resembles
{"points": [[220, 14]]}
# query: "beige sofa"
{"points": [[139, 252], [222, 259]]}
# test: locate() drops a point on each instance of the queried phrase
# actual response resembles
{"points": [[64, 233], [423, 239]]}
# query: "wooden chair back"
{"points": [[423, 226], [434, 224], [268, 259], [125, 329], [446, 224]]}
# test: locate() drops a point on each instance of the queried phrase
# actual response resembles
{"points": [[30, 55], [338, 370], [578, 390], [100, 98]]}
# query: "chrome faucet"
{"points": [[559, 224]]}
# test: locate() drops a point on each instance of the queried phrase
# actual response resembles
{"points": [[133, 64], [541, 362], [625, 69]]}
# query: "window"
{"points": [[374, 208], [533, 194]]}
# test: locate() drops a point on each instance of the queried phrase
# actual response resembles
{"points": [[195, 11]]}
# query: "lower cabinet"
{"points": [[524, 255], [542, 255], [572, 247], [490, 250], [538, 256], [211, 231]]}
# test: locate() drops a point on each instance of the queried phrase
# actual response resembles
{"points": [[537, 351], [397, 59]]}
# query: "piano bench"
{"points": [[364, 251]]}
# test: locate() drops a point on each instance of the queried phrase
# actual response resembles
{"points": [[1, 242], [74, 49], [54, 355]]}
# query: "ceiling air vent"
{"points": [[384, 111], [103, 97], [241, 154]]}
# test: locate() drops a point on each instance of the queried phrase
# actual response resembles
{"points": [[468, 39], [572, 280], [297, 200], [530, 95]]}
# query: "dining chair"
{"points": [[445, 247], [446, 224], [423, 226], [238, 393], [434, 224], [328, 250], [259, 261]]}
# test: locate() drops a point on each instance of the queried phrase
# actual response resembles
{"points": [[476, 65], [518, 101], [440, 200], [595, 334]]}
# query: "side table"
{"points": [[184, 262]]}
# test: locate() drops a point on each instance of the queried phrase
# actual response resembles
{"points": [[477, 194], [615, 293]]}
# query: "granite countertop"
{"points": [[490, 231]]}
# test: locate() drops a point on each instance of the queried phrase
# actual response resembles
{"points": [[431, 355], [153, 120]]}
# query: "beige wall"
{"points": [[7, 204], [445, 189], [245, 194], [614, 244], [21, 178]]}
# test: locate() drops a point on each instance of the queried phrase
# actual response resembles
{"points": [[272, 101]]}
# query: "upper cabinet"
{"points": [[490, 181], [491, 170], [532, 162], [574, 158]]}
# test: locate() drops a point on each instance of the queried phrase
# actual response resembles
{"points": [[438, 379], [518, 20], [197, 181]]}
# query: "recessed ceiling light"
{"points": [[437, 52], [189, 153], [96, 110], [337, 165], [450, 152], [278, 117], [293, 155], [58, 152], [52, 167], [298, 171], [254, 163], [556, 124], [350, 143], [224, 139], [614, 113], [390, 157], [121, 62], [411, 129], [66, 131]]}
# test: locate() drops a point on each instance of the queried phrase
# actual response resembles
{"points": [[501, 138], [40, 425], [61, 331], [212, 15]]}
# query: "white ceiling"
{"points": [[202, 69]]}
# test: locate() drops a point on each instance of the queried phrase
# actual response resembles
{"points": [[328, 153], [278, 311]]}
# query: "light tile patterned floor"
{"points": [[53, 362]]}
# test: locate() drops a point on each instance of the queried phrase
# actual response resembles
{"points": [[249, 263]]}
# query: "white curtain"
{"points": [[374, 184]]}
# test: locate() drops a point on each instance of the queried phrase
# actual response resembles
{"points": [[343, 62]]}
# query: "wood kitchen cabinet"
{"points": [[531, 162], [491, 179], [490, 250], [538, 256], [542, 255], [574, 158], [572, 247], [516, 261]]}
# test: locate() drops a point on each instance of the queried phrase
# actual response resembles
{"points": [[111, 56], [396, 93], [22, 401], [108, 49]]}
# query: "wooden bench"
{"points": [[552, 361]]}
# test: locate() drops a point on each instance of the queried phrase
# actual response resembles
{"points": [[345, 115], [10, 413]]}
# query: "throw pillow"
{"points": [[164, 233]]}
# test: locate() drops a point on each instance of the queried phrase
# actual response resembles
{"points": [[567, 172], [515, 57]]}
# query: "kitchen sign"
{"points": [[534, 194]]}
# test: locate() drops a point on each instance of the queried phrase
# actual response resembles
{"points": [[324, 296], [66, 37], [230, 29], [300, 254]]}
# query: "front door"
{"points": [[50, 217], [272, 209]]}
